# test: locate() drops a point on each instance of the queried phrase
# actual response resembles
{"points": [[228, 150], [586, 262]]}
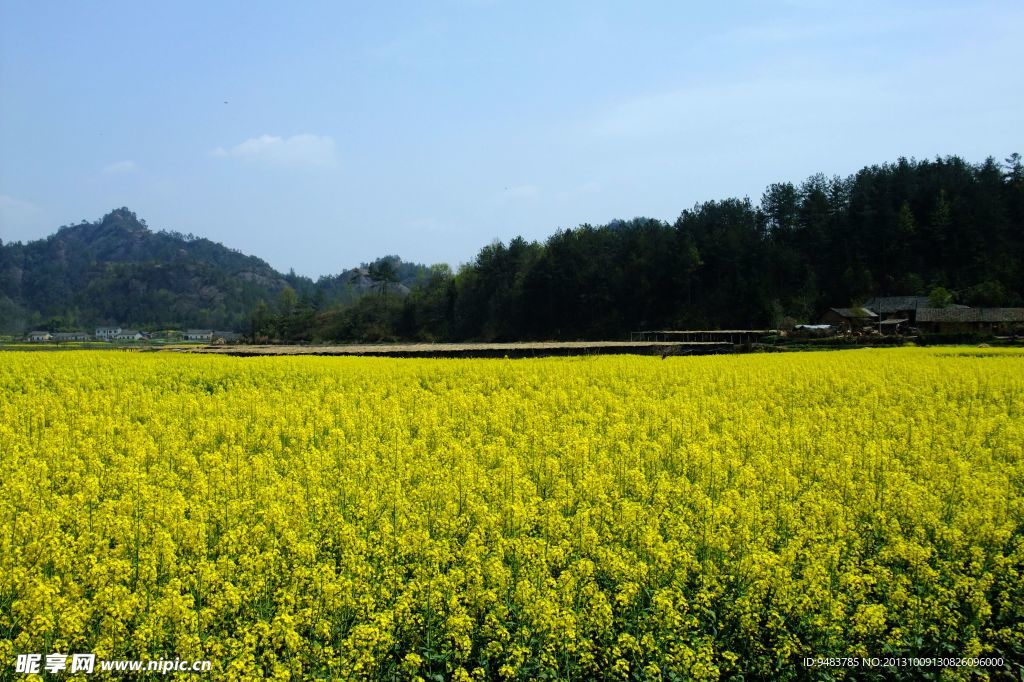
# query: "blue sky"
{"points": [[320, 135]]}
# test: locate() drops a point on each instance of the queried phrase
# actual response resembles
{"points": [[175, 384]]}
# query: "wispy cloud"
{"points": [[8, 202], [729, 107], [409, 47], [120, 168], [298, 150], [425, 225], [516, 192], [856, 26], [16, 216], [589, 187]]}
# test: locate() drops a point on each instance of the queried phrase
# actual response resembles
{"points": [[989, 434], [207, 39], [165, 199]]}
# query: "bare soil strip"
{"points": [[476, 350]]}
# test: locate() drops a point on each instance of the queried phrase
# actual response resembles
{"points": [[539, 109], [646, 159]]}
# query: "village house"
{"points": [[958, 320], [107, 333], [61, 337], [812, 330], [893, 325], [39, 336], [900, 307], [129, 335], [896, 307], [225, 337], [849, 319], [199, 335], [165, 335]]}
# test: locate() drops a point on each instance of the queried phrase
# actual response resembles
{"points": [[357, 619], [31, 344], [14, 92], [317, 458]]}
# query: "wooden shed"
{"points": [[849, 319]]}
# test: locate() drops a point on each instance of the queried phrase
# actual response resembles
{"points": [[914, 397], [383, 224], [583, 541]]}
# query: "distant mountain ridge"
{"points": [[117, 270], [945, 228]]}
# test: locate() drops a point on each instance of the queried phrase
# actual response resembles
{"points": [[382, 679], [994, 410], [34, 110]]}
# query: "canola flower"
{"points": [[586, 518]]}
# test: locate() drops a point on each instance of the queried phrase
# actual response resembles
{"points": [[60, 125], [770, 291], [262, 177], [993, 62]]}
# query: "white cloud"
{"points": [[120, 167], [297, 150], [8, 203], [17, 218]]}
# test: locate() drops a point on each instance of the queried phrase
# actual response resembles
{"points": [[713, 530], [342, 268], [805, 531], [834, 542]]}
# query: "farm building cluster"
{"points": [[915, 314], [114, 334]]}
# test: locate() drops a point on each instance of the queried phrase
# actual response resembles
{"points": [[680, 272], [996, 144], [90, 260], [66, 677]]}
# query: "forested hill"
{"points": [[117, 270], [904, 228]]}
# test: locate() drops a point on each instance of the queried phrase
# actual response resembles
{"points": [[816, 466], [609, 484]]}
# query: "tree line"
{"points": [[906, 228]]}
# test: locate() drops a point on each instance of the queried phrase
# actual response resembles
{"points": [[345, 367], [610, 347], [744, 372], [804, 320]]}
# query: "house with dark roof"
{"points": [[70, 336], [900, 307], [893, 325], [958, 320], [849, 319]]}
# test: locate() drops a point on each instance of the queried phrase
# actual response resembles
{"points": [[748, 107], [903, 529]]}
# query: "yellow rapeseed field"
{"points": [[582, 518]]}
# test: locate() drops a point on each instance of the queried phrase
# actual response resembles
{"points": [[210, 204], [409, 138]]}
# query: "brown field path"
{"points": [[474, 350]]}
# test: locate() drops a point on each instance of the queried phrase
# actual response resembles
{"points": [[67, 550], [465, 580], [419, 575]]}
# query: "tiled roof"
{"points": [[892, 304], [970, 315], [895, 304], [854, 313]]}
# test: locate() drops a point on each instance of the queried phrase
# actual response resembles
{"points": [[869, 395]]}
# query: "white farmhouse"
{"points": [[107, 333], [199, 335], [39, 336]]}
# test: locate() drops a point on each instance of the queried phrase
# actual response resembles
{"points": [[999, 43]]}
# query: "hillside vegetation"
{"points": [[904, 228], [117, 270]]}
